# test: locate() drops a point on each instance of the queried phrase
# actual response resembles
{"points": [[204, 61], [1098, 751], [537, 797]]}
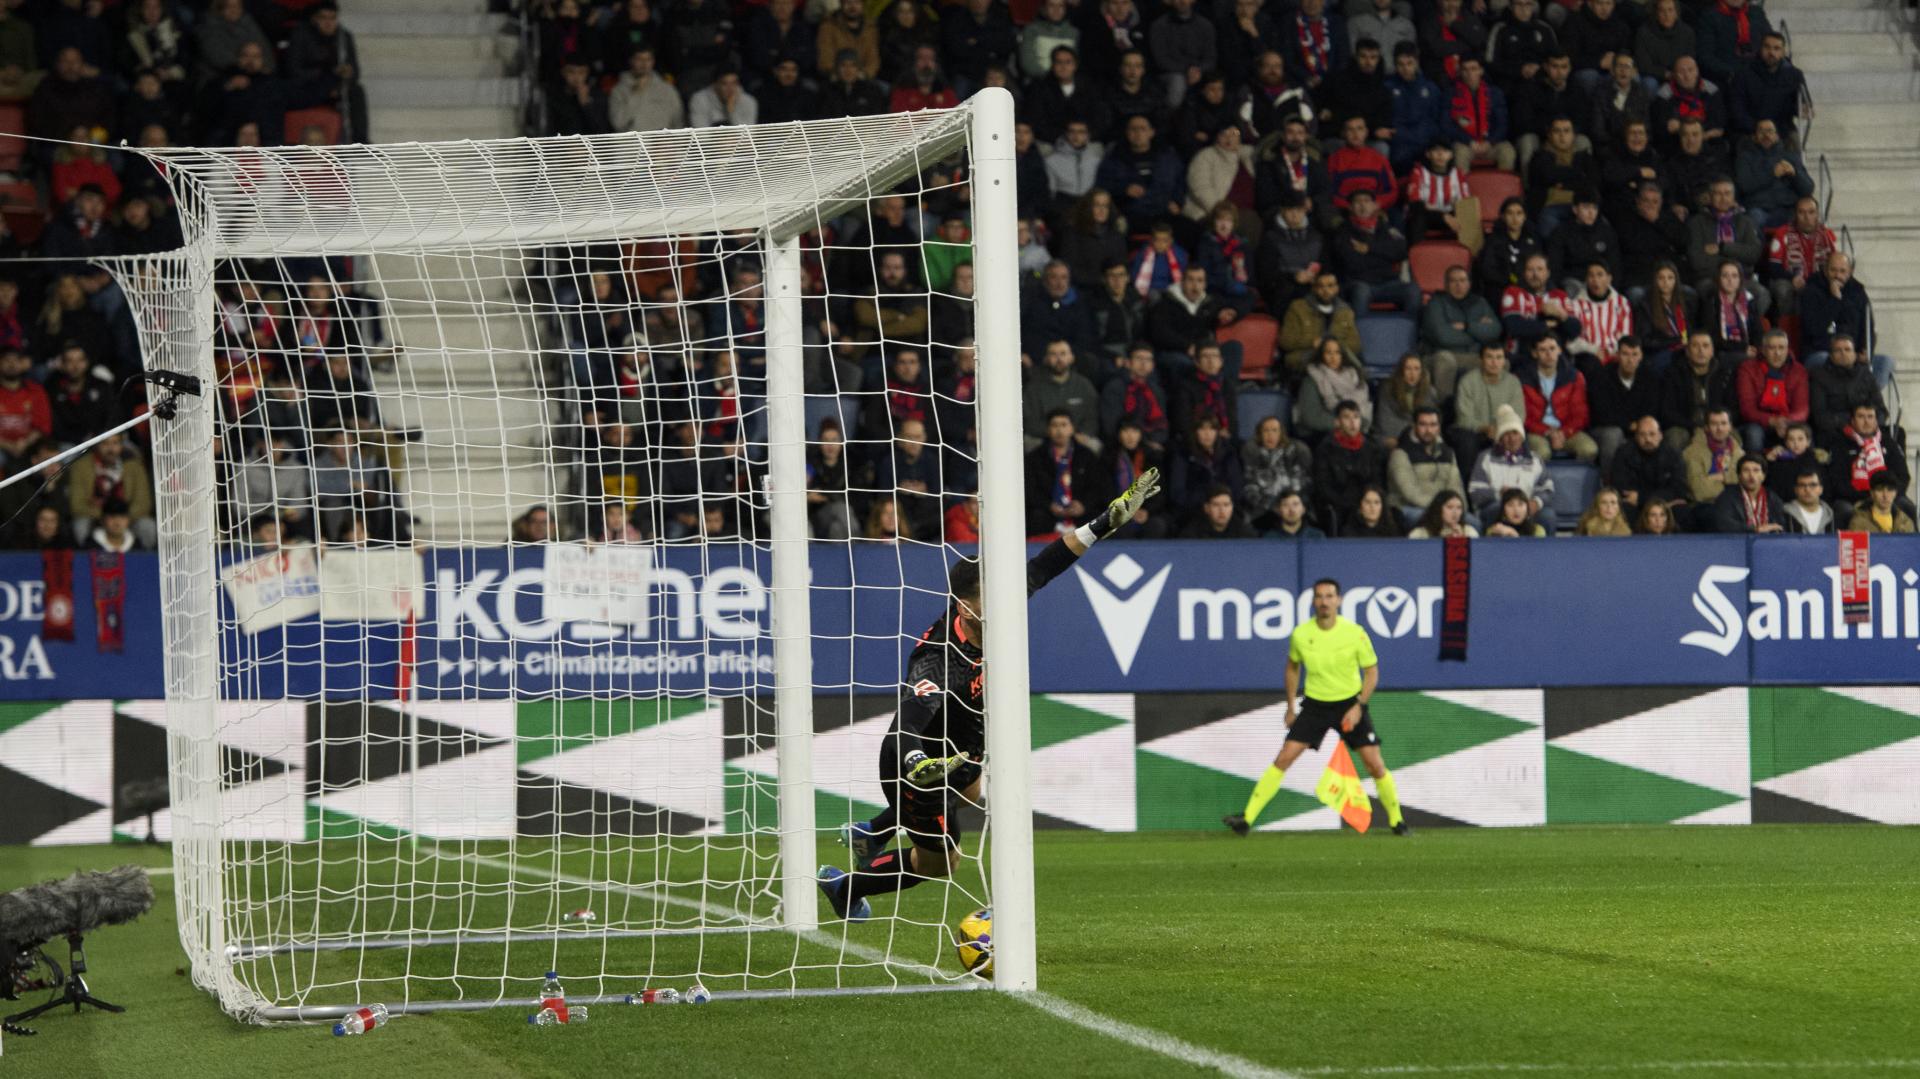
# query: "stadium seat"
{"points": [[13, 148], [1492, 187], [1257, 405], [324, 117], [1383, 340], [1574, 485], [20, 205], [1429, 261], [821, 406], [1256, 334]]}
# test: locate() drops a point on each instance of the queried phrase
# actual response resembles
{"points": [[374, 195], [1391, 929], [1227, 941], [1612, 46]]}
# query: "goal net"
{"points": [[541, 557]]}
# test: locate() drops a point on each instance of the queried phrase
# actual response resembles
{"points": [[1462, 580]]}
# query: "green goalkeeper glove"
{"points": [[1122, 509], [924, 771]]}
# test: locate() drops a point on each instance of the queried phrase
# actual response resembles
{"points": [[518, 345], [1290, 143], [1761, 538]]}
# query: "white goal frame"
{"points": [[424, 199]]}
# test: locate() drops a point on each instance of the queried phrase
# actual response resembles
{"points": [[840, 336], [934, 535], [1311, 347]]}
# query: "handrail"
{"points": [[1824, 181], [533, 96], [1846, 244]]}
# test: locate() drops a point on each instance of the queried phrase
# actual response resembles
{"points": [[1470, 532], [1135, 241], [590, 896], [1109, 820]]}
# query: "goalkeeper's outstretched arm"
{"points": [[1058, 555]]}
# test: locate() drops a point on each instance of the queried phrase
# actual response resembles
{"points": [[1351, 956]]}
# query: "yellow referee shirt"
{"points": [[1333, 658]]}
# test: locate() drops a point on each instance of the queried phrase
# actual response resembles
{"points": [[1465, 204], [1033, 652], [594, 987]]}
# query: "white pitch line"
{"points": [[1139, 1037], [1151, 1040], [1670, 1067]]}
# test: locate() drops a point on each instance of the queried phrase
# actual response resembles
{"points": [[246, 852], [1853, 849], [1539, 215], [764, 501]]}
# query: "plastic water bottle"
{"points": [[547, 1017], [654, 996], [361, 1020], [578, 916], [698, 994]]}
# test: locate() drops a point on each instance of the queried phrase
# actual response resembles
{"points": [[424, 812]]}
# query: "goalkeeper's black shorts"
{"points": [[930, 817], [1316, 718]]}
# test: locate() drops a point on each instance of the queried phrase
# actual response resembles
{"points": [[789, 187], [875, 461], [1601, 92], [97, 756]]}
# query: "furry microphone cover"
{"points": [[80, 903]]}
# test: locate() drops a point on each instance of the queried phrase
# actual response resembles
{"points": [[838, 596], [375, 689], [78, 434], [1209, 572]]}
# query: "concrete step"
{"points": [[1885, 254], [1809, 46], [434, 7], [429, 65], [424, 330], [460, 506], [462, 423], [1839, 18], [1863, 87], [396, 47], [448, 125], [464, 279], [1848, 177], [1863, 135], [1854, 53], [1793, 9], [457, 93], [379, 24]]}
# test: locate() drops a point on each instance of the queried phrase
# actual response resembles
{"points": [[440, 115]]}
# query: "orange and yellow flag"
{"points": [[1340, 789]]}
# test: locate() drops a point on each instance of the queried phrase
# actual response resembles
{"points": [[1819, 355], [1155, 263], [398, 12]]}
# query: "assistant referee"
{"points": [[1342, 673]]}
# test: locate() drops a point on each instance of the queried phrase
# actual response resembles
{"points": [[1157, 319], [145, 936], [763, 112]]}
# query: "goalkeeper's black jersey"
{"points": [[940, 710]]}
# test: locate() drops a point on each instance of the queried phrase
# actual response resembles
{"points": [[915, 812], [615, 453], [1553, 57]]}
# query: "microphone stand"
{"points": [[72, 984]]}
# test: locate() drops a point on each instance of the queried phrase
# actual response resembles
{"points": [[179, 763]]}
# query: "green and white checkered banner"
{"points": [[85, 771]]}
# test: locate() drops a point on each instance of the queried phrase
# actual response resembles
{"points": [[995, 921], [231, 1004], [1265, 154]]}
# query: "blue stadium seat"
{"points": [[1574, 485], [820, 406], [1257, 405], [1383, 340]]}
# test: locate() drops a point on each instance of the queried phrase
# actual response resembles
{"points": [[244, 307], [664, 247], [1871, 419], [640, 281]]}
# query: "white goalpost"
{"points": [[521, 609]]}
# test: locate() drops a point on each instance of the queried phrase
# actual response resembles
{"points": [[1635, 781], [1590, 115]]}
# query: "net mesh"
{"points": [[472, 650]]}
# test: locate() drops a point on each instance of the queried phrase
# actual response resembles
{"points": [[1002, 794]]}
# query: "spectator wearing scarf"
{"points": [[1746, 506], [1318, 45], [1686, 96]]}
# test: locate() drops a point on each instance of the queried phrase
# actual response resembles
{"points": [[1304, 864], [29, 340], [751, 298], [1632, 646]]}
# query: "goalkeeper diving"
{"points": [[931, 760]]}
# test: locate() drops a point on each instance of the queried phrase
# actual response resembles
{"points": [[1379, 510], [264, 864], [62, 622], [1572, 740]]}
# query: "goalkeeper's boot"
{"points": [[1403, 828], [1237, 822], [836, 883], [860, 838]]}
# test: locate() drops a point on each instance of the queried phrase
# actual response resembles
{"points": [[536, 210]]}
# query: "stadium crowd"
{"points": [[1338, 267], [295, 345]]}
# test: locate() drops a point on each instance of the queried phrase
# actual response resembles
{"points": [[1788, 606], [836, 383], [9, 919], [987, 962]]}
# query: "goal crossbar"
{"points": [[780, 179]]}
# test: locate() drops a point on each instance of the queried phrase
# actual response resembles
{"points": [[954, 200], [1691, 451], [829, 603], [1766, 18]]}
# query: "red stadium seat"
{"points": [[1257, 335], [325, 118], [1492, 187], [13, 148], [1430, 260], [20, 206]]}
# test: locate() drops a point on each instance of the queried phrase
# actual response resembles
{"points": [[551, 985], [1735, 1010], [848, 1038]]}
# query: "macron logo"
{"points": [[1123, 621]]}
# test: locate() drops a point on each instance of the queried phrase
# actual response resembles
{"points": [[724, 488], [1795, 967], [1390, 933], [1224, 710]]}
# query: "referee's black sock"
{"points": [[890, 871]]}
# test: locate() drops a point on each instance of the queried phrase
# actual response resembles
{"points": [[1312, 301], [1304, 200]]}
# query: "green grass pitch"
{"points": [[1763, 951]]}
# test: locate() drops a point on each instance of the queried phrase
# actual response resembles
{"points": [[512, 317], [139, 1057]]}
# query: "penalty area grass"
{"points": [[1722, 951]]}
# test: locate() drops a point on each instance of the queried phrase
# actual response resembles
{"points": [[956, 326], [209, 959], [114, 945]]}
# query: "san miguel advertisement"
{"points": [[608, 621]]}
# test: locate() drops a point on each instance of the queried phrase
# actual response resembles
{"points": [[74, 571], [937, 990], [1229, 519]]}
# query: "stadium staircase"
{"points": [[1862, 63], [465, 377]]}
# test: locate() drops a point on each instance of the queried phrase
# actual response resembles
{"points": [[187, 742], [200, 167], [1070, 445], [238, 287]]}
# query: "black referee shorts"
{"points": [[1316, 718]]}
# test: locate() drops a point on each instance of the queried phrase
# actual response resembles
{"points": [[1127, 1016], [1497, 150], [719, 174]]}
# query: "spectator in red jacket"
{"points": [[1772, 391], [1795, 252], [1355, 166], [26, 416], [922, 87], [1557, 413]]}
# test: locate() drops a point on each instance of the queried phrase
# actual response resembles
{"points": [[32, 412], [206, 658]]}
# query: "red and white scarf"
{"points": [[1143, 281], [1871, 458], [1733, 316], [1756, 507], [1315, 45]]}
